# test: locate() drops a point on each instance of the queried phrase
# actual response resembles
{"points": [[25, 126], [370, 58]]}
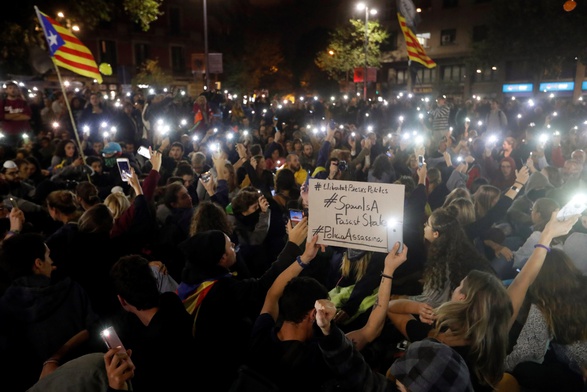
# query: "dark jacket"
{"points": [[224, 319], [36, 318]]}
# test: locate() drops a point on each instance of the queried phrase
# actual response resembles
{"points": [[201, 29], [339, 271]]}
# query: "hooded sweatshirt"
{"points": [[36, 318]]}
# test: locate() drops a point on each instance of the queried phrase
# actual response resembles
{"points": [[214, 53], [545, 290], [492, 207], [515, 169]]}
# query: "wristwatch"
{"points": [[515, 188]]}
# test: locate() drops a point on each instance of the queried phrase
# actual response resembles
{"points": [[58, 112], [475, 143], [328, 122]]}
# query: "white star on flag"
{"points": [[52, 39]]}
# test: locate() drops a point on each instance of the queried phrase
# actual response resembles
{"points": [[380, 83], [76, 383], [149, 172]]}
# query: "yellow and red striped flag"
{"points": [[415, 50], [68, 51]]}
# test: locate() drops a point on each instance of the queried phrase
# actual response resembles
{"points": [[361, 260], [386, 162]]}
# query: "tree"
{"points": [[538, 32], [258, 63], [345, 50], [152, 75]]}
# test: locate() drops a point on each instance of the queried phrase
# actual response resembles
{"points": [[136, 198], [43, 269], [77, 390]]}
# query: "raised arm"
{"points": [[150, 183], [272, 298], [374, 324], [519, 287]]}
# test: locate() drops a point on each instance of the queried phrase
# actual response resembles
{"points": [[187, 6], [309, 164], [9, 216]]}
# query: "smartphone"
{"points": [[13, 202], [420, 160], [144, 151], [389, 153], [332, 124], [395, 233], [575, 206], [295, 216], [206, 176], [124, 168], [110, 337]]}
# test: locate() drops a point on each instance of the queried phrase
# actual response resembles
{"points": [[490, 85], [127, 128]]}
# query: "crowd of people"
{"points": [[191, 255]]}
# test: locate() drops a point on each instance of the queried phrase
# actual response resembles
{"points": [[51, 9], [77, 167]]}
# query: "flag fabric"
{"points": [[68, 51], [415, 51]]}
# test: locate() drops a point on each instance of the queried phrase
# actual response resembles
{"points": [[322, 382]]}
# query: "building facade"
{"points": [[448, 32]]}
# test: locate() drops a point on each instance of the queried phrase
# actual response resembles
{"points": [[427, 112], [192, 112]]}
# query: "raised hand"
{"points": [[263, 204], [298, 233]]}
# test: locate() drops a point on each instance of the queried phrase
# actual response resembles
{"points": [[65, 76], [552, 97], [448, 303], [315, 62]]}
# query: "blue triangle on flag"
{"points": [[54, 40]]}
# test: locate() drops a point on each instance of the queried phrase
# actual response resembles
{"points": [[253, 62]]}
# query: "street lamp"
{"points": [[360, 7], [206, 60]]}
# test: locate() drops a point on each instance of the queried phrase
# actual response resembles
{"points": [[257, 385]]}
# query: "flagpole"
{"points": [[73, 124]]}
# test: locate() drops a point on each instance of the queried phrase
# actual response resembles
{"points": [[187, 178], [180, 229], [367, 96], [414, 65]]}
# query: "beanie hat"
{"points": [[429, 365], [203, 251], [112, 148], [355, 254]]}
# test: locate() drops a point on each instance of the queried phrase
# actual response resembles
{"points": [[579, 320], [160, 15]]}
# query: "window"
{"points": [[108, 52], [448, 37], [453, 73], [486, 75], [424, 39], [398, 76], [450, 3], [177, 60], [480, 33], [174, 21], [425, 76], [142, 53]]}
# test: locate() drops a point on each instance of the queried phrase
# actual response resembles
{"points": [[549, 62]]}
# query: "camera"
{"points": [[342, 165]]}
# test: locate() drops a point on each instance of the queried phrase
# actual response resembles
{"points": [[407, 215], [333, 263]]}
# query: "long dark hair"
{"points": [[382, 165], [560, 292], [60, 149], [452, 255]]}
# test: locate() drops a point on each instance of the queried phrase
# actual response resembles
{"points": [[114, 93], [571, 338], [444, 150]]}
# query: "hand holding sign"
{"points": [[357, 215]]}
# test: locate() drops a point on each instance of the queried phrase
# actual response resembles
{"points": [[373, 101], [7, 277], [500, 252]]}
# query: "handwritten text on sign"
{"points": [[356, 215]]}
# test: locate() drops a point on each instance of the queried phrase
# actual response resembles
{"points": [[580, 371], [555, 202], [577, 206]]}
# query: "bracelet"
{"points": [[50, 361], [518, 182], [542, 246], [386, 276], [301, 263]]}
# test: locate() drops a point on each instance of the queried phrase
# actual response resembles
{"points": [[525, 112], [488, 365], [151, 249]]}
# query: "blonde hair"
{"points": [[482, 320], [463, 209], [485, 198], [455, 194], [358, 266], [117, 203]]}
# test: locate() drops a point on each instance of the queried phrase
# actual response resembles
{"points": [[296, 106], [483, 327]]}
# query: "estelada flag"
{"points": [[415, 50], [66, 50]]}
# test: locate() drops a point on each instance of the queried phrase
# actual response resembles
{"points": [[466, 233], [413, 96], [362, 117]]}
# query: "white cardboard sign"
{"points": [[358, 215]]}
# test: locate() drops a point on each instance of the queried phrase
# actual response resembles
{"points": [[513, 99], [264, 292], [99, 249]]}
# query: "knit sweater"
{"points": [[536, 338]]}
